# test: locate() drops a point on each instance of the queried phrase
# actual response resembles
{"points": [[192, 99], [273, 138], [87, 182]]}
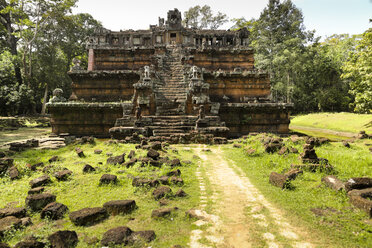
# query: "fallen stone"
{"points": [[293, 150], [163, 202], [109, 154], [31, 243], [176, 180], [156, 145], [40, 181], [155, 163], [38, 201], [161, 192], [53, 159], [13, 173], [362, 135], [80, 152], [140, 182], [162, 212], [153, 154], [26, 221], [141, 236], [116, 236], [63, 239], [272, 147], [37, 190], [358, 183], [5, 164], [174, 173], [16, 212], [164, 180], [314, 167], [293, 173], [120, 206], [53, 211], [88, 168], [237, 145], [279, 180], [62, 175], [97, 151], [108, 178], [35, 166], [346, 144], [116, 160], [180, 193], [175, 162], [87, 140], [333, 183], [23, 145], [362, 199], [9, 223], [131, 154], [88, 216], [130, 163], [283, 150]]}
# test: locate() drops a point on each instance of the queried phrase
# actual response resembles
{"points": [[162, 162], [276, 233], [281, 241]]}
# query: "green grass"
{"points": [[83, 190], [346, 122], [348, 227]]}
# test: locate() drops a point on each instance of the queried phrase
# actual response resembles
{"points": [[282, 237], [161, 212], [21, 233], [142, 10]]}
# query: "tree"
{"points": [[203, 18], [358, 71], [7, 22], [279, 38]]}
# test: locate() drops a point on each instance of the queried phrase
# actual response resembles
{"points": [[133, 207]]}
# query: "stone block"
{"points": [[88, 216], [120, 206], [38, 201]]}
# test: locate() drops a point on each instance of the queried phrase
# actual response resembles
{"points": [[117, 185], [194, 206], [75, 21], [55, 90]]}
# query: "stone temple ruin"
{"points": [[167, 81]]}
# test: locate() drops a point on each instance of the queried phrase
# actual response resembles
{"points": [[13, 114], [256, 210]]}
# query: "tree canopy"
{"points": [[202, 17]]}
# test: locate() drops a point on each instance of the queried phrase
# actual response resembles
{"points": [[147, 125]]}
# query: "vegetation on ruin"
{"points": [[83, 190], [328, 217]]}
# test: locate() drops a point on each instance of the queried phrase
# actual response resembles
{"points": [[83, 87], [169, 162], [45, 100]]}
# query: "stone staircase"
{"points": [[171, 95], [182, 124]]}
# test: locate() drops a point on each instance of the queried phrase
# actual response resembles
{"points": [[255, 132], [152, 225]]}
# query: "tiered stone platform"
{"points": [[169, 81]]}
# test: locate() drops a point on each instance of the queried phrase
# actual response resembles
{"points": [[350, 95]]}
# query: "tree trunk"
{"points": [[43, 107], [12, 43]]}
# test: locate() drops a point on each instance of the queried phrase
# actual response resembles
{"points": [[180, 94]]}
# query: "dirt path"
{"points": [[23, 133], [322, 130], [242, 215]]}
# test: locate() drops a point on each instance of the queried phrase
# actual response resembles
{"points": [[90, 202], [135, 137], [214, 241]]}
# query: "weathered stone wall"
{"points": [[84, 118], [237, 86], [104, 86], [242, 118], [123, 59], [226, 59]]}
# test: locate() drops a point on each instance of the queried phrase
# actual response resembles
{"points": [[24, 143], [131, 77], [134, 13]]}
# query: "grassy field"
{"points": [[341, 225], [83, 190], [345, 122]]}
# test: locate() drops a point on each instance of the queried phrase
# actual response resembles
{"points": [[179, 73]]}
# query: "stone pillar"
{"points": [[91, 62]]}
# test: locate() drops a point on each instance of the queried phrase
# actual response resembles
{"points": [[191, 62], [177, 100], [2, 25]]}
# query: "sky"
{"points": [[327, 17]]}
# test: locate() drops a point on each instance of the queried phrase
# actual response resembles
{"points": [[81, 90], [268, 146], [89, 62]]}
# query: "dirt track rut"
{"points": [[240, 216]]}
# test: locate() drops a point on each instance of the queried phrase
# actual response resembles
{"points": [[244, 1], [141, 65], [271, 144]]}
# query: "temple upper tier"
{"points": [[170, 32]]}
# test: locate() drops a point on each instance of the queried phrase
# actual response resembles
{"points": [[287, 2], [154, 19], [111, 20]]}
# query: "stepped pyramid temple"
{"points": [[169, 81]]}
